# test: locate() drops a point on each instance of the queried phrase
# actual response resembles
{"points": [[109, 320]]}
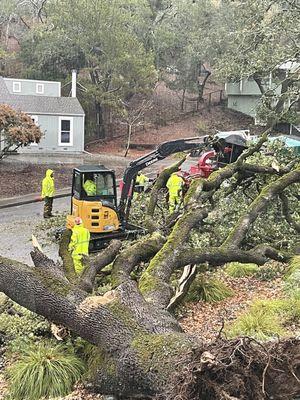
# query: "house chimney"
{"points": [[74, 82]]}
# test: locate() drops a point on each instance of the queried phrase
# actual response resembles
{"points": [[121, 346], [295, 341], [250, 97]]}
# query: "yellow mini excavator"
{"points": [[94, 192]]}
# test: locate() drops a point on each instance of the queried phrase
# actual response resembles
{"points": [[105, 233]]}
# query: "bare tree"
{"points": [[133, 117]]}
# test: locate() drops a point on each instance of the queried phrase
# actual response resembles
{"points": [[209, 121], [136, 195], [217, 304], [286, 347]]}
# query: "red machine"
{"points": [[204, 166], [209, 162]]}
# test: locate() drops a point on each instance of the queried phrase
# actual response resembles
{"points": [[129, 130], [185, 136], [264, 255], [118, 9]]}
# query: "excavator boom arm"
{"points": [[163, 150]]}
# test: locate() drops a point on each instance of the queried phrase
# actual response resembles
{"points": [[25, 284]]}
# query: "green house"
{"points": [[244, 95]]}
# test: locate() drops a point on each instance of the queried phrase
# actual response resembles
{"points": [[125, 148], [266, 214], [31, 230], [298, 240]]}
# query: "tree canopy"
{"points": [[16, 129], [121, 47]]}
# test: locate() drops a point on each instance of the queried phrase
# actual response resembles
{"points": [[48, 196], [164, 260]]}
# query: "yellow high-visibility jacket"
{"points": [[175, 184], [141, 179], [48, 189], [89, 187], [80, 239]]}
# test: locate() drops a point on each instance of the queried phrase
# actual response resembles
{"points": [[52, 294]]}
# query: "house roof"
{"points": [[46, 105]]}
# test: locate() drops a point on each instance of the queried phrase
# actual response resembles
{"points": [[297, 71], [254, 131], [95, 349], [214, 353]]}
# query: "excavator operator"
{"points": [[89, 187]]}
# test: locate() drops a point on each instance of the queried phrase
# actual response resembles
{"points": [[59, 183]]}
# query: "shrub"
{"points": [[270, 271], [208, 289], [44, 370], [17, 129], [18, 322], [240, 270]]}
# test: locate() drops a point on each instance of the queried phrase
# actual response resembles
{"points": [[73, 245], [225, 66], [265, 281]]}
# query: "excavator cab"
{"points": [[94, 199]]}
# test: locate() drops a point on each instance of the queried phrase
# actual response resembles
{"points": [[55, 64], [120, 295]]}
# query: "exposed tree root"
{"points": [[239, 369]]}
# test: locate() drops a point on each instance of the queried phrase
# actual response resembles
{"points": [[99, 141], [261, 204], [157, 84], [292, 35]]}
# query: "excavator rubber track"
{"points": [[101, 240]]}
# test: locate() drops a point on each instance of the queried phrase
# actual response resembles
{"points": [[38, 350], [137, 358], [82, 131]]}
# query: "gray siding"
{"points": [[50, 125], [29, 87], [248, 87], [245, 104], [245, 97]]}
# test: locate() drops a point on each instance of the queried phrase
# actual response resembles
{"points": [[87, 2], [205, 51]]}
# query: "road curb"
{"points": [[35, 197], [15, 202]]}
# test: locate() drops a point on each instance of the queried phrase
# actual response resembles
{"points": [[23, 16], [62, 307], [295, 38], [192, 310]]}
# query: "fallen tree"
{"points": [[140, 349]]}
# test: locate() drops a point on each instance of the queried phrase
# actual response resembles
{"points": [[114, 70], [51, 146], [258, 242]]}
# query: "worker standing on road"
{"points": [[79, 244], [175, 184], [48, 193], [140, 183]]}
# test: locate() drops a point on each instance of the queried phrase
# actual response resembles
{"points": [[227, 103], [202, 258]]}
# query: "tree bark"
{"points": [[141, 349], [100, 128], [129, 131], [136, 342]]}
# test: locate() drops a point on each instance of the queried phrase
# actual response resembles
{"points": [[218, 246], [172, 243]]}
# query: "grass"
{"points": [[240, 270], [292, 279], [44, 371], [259, 323], [266, 319], [292, 284], [208, 289], [294, 266]]}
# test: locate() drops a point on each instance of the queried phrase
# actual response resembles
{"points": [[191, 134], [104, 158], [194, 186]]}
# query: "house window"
{"points": [[40, 88], [35, 120], [16, 87], [65, 131]]}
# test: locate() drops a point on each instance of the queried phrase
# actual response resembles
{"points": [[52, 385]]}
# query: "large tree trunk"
{"points": [[141, 349], [136, 342], [100, 128]]}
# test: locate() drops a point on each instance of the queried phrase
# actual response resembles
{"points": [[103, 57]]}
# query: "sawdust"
{"points": [[92, 302]]}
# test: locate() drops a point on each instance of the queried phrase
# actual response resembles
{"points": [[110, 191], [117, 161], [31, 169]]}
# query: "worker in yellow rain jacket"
{"points": [[79, 244], [140, 183], [48, 191], [175, 184], [90, 187]]}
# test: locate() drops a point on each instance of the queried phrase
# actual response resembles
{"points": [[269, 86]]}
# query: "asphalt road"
{"points": [[18, 223], [33, 210]]}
